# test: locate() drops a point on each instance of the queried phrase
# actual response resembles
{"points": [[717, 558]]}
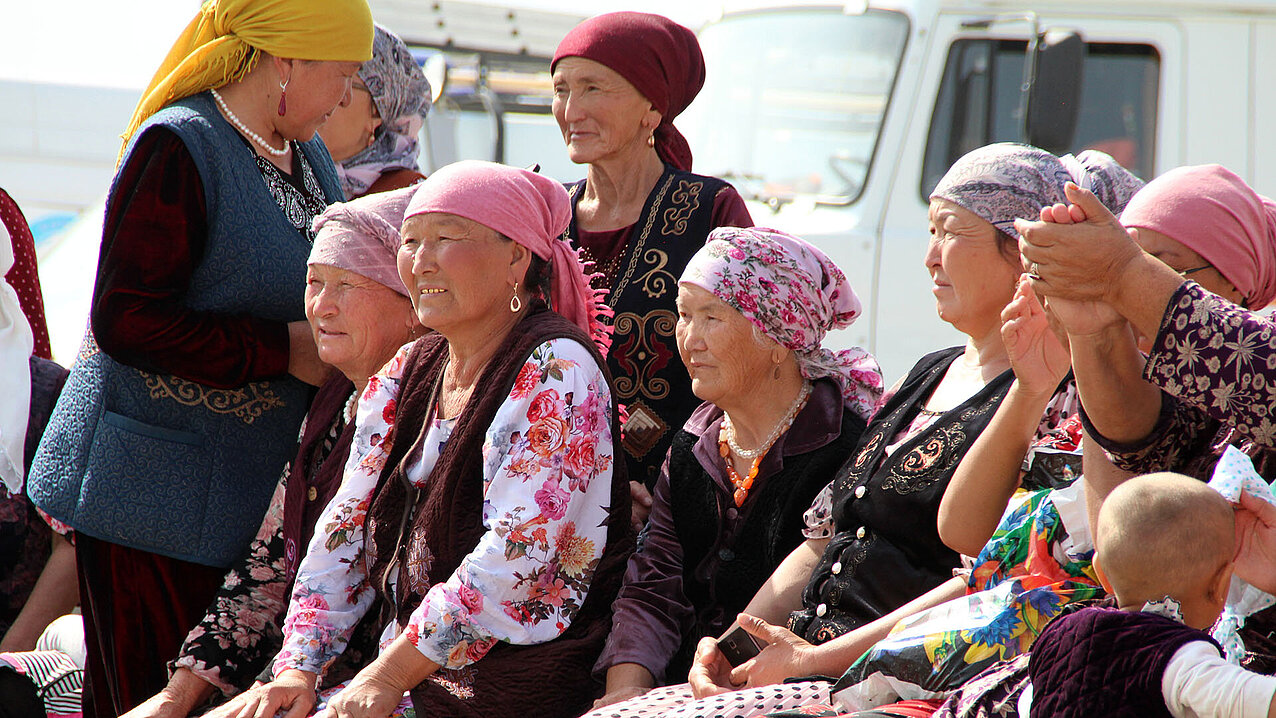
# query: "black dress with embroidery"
{"points": [[887, 549], [642, 284]]}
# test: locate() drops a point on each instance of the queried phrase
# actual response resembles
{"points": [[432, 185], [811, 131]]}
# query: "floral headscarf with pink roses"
{"points": [[795, 295]]}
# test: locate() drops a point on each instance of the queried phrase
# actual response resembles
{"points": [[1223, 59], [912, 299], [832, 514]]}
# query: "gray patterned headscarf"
{"points": [[402, 96], [1005, 181]]}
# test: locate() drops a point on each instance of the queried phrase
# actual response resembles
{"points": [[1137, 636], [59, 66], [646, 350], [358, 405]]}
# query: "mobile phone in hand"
{"points": [[738, 646]]}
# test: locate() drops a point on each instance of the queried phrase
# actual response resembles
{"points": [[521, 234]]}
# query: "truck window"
{"points": [[794, 100], [978, 103]]}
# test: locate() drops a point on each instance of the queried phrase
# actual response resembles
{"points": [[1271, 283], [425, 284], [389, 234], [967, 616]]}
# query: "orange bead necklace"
{"points": [[727, 445]]}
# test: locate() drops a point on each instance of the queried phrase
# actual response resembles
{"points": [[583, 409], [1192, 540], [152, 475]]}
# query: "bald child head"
{"points": [[1165, 535]]}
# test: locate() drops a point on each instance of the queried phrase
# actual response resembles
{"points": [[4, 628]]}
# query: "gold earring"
{"points": [[651, 139], [515, 303]]}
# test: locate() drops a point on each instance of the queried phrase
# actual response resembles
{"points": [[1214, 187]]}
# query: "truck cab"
{"points": [[837, 121]]}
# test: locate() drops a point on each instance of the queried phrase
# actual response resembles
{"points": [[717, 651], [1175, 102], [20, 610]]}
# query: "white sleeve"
{"points": [[1198, 682]]}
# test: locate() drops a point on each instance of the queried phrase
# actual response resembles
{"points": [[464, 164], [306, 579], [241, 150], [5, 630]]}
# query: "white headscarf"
{"points": [[15, 374]]}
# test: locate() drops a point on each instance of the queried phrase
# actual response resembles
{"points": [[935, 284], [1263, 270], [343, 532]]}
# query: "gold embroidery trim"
{"points": [[686, 200], [248, 404]]}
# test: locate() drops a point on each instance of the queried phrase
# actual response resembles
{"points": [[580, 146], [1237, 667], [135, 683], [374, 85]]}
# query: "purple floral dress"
{"points": [[547, 488]]}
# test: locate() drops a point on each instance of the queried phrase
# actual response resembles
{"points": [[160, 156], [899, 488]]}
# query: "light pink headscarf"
{"points": [[530, 209], [795, 295], [362, 236], [1212, 212]]}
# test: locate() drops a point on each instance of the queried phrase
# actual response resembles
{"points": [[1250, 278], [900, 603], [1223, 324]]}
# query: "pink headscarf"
{"points": [[527, 208], [1212, 212], [362, 236], [795, 294]]}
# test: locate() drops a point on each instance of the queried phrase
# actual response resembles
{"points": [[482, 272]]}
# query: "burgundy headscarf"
{"points": [[656, 55], [1212, 212]]}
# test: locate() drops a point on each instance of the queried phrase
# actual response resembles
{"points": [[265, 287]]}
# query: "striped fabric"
{"points": [[58, 680]]}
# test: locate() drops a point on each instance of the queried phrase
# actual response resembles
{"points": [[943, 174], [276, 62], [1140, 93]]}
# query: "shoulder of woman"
{"points": [[564, 353]]}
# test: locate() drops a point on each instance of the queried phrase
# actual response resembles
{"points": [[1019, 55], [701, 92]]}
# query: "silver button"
{"points": [[837, 568], [821, 609], [860, 491], [861, 532]]}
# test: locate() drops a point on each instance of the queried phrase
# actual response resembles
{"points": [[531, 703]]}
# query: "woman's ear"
{"points": [[520, 260], [1221, 583], [283, 67]]}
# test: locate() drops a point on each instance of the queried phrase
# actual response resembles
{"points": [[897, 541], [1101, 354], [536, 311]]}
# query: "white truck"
{"points": [[837, 121]]}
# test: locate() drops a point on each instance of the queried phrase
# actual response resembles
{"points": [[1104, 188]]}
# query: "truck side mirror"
{"points": [[1055, 97]]}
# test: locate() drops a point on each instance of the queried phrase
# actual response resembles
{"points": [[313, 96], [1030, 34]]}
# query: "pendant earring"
{"points": [[777, 371], [515, 303], [283, 97], [651, 140]]}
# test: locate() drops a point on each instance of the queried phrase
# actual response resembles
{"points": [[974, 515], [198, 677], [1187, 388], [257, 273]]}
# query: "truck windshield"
{"points": [[794, 100]]}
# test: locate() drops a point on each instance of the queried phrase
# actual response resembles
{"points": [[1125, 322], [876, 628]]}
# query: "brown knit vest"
{"points": [[446, 523]]}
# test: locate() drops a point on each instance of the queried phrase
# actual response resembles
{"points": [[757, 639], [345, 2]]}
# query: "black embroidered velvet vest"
{"points": [[887, 549], [728, 553], [643, 284], [1105, 662], [444, 520]]}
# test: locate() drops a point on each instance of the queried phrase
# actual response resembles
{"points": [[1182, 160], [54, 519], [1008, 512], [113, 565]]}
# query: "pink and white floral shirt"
{"points": [[547, 466]]}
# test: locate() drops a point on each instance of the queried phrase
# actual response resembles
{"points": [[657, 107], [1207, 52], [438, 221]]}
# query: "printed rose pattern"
{"points": [[547, 460]]}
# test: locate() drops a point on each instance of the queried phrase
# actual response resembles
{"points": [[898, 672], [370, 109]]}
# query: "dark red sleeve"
{"points": [[23, 276], [729, 209], [153, 239]]}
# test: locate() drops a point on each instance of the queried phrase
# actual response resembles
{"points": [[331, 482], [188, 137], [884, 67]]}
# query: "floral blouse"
{"points": [[1216, 364], [547, 492]]}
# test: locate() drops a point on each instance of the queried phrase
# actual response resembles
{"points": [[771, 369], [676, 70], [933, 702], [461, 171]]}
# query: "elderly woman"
{"points": [[781, 415], [360, 315], [873, 553], [189, 389], [483, 521], [640, 214], [373, 139]]}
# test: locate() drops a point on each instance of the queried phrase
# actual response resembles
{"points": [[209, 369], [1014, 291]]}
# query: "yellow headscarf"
{"points": [[211, 50]]}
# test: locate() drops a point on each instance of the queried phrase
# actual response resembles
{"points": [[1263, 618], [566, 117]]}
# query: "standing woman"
{"points": [[639, 214], [186, 398]]}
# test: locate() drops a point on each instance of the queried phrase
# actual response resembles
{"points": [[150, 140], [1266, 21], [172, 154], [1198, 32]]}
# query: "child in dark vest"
{"points": [[1165, 547]]}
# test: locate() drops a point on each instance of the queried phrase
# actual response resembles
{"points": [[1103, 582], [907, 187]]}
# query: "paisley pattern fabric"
{"points": [[547, 489], [300, 196]]}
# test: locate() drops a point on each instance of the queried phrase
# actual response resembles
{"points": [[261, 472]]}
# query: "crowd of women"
{"points": [[345, 440]]}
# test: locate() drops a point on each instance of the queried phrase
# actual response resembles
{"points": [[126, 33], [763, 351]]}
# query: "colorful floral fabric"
{"points": [[548, 463], [795, 295]]}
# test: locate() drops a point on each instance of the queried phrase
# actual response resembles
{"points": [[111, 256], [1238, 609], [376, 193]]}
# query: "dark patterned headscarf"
{"points": [[402, 97], [1008, 181], [659, 57]]}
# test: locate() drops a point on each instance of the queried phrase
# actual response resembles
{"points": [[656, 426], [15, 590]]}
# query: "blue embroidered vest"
{"points": [[642, 282], [166, 465]]}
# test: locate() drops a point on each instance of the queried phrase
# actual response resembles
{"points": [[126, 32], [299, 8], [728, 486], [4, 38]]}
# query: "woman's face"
{"points": [[357, 323], [717, 345], [458, 272], [972, 279], [1181, 259], [352, 127], [315, 89], [599, 113]]}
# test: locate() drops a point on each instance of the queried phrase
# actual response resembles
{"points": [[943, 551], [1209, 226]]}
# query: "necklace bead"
{"points": [[234, 120], [775, 433]]}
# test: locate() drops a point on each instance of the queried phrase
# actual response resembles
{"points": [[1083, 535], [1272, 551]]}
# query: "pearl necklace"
{"points": [[247, 132], [729, 428]]}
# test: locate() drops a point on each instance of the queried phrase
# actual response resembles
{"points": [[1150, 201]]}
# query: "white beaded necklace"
{"points": [[775, 433], [247, 132]]}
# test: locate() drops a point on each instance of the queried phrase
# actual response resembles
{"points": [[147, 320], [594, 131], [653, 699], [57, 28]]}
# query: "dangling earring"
{"points": [[777, 371], [515, 303], [651, 139], [283, 97]]}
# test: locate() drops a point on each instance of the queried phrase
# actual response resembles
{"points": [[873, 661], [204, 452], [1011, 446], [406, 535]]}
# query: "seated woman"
{"points": [[781, 415], [876, 555], [360, 315], [483, 521], [373, 139]]}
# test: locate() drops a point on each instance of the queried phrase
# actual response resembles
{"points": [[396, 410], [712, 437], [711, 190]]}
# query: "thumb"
{"points": [[1085, 199], [760, 629]]}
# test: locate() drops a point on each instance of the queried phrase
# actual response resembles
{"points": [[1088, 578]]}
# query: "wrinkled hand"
{"points": [[364, 698], [710, 673], [158, 706], [620, 695], [640, 505], [1039, 359], [784, 655], [1082, 260], [292, 690], [1256, 542]]}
